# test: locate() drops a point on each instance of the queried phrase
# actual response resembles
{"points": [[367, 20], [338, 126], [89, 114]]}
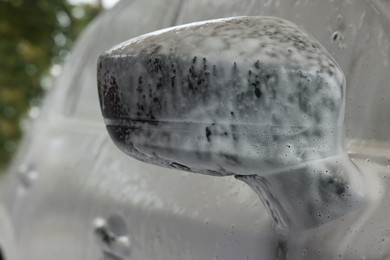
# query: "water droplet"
{"points": [[27, 176], [335, 35], [112, 237]]}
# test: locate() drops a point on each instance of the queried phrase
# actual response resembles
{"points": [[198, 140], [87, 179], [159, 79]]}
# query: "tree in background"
{"points": [[35, 35]]}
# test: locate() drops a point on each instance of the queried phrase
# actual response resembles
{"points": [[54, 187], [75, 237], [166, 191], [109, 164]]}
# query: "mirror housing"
{"points": [[253, 97], [236, 96]]}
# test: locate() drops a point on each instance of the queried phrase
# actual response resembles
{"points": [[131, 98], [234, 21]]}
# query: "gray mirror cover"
{"points": [[236, 96]]}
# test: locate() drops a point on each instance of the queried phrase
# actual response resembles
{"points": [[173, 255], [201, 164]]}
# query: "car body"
{"points": [[70, 192]]}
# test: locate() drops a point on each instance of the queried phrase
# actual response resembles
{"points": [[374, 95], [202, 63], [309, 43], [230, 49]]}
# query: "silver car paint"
{"points": [[81, 177]]}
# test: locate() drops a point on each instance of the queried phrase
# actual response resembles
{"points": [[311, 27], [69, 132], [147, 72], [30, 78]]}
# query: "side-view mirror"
{"points": [[253, 97]]}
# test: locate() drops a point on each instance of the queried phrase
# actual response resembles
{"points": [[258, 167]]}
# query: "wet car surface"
{"points": [[71, 194]]}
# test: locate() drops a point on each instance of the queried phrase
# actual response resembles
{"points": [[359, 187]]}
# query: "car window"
{"points": [[365, 71]]}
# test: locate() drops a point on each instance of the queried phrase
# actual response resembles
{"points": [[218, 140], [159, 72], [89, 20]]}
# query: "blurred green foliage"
{"points": [[34, 36]]}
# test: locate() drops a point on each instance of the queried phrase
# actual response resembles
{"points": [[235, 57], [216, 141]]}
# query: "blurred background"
{"points": [[35, 39]]}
